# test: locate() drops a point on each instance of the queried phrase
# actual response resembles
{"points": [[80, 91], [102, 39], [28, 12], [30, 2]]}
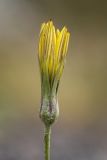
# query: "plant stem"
{"points": [[47, 142]]}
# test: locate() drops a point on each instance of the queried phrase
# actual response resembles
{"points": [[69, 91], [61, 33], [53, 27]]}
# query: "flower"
{"points": [[53, 46]]}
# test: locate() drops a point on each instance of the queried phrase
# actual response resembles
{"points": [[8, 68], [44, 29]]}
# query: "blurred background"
{"points": [[81, 130]]}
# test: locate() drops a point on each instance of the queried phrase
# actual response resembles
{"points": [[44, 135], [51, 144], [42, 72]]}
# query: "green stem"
{"points": [[47, 142]]}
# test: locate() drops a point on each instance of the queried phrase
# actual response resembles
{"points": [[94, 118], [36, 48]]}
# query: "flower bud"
{"points": [[53, 46]]}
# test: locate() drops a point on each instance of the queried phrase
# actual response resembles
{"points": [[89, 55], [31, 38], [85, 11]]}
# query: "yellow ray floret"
{"points": [[53, 46]]}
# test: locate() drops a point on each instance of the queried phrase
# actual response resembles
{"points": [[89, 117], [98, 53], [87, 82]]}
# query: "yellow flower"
{"points": [[53, 46]]}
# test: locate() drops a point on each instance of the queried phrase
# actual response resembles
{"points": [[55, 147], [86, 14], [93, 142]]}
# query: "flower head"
{"points": [[53, 47]]}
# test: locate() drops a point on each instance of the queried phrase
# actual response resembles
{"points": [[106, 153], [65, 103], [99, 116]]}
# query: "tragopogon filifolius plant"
{"points": [[53, 46]]}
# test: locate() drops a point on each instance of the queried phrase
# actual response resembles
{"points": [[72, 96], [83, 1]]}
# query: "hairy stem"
{"points": [[47, 142]]}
